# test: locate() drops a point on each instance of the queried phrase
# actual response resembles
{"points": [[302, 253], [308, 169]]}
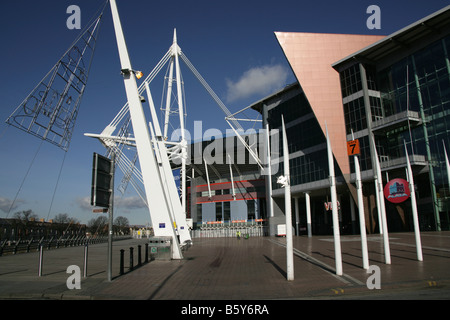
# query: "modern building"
{"points": [[396, 92], [384, 92], [225, 187]]}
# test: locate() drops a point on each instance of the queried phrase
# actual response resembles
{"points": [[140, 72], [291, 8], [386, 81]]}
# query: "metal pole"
{"points": [[146, 252], [288, 212], [379, 183], [111, 213], [41, 259], [139, 255], [122, 252], [131, 258], [85, 260], [337, 237], [362, 220], [414, 207], [269, 174], [308, 214], [297, 216]]}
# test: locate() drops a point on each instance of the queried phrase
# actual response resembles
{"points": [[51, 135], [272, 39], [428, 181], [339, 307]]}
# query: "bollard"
{"points": [[139, 255], [85, 260], [146, 252], [41, 259], [131, 258], [122, 252]]}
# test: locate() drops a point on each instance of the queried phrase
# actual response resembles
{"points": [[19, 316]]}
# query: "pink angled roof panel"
{"points": [[311, 56]]}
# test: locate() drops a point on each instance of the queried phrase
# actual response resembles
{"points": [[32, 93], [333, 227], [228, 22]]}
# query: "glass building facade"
{"points": [[403, 98], [306, 142], [387, 92]]}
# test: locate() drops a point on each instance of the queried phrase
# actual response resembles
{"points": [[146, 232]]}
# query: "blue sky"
{"points": [[231, 43]]}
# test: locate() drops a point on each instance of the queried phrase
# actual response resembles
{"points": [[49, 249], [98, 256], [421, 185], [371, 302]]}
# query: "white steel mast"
{"points": [[175, 51], [154, 191]]}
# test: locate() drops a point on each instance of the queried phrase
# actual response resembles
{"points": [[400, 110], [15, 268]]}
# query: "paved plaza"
{"points": [[231, 269]]}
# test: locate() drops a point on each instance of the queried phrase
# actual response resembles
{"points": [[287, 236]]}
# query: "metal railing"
{"points": [[23, 246], [228, 232]]}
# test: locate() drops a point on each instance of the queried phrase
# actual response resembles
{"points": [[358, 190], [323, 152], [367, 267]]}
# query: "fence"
{"points": [[20, 246], [230, 231]]}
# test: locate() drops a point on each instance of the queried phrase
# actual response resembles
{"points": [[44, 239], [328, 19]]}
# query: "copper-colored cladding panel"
{"points": [[311, 56]]}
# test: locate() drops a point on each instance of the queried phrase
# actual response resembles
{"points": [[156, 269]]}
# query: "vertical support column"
{"points": [[427, 146], [372, 145]]}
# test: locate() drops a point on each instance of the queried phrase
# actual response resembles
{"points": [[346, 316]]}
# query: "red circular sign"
{"points": [[397, 190]]}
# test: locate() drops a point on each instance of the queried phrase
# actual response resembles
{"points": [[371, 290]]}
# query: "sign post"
{"points": [[102, 195]]}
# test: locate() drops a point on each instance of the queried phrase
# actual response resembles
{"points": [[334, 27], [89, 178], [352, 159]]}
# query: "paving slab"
{"points": [[228, 269]]}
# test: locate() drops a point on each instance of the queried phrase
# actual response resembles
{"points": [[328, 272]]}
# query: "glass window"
{"points": [[251, 210], [219, 211]]}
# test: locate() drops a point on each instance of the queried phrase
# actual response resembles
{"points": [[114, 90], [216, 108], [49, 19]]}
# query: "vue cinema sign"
{"points": [[397, 190]]}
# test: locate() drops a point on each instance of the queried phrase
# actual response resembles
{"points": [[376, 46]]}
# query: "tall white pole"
{"points": [[159, 210], [111, 217], [377, 198], [447, 164], [288, 211], [362, 219], [379, 182], [334, 209], [414, 207], [297, 216], [231, 177], [207, 178], [308, 214], [181, 115], [269, 174]]}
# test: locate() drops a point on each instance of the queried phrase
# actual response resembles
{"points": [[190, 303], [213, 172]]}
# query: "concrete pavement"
{"points": [[231, 269]]}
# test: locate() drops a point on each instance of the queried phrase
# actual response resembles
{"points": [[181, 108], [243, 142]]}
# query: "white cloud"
{"points": [[130, 203], [84, 203], [5, 204], [257, 81]]}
